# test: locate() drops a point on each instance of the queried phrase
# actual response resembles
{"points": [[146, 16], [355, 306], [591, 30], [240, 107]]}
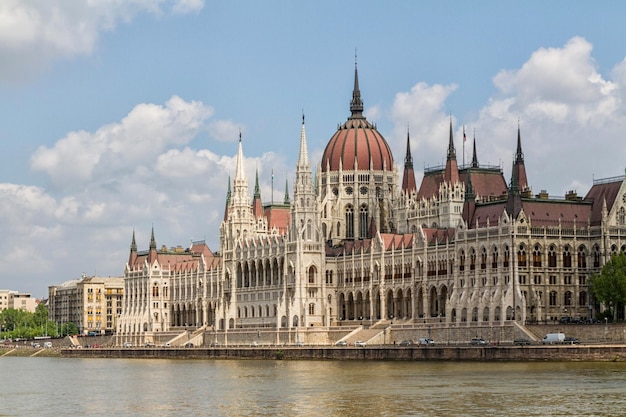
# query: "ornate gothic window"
{"points": [[349, 222], [551, 256], [537, 257], [582, 257], [567, 258], [363, 221], [521, 256]]}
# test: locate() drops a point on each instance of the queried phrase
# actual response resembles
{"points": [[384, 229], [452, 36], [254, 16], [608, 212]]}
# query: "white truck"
{"points": [[553, 339]]}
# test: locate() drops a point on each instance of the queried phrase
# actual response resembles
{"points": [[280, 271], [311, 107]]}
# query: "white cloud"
{"points": [[121, 147], [567, 110], [33, 32]]}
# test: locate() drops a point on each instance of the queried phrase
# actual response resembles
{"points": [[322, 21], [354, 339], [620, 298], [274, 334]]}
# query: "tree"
{"points": [[609, 287]]}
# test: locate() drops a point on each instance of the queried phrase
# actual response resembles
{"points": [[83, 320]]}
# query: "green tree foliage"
{"points": [[19, 323], [609, 287]]}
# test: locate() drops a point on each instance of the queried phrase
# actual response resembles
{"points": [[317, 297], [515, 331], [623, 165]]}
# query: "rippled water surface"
{"points": [[122, 387]]}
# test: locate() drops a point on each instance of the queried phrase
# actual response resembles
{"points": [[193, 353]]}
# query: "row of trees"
{"points": [[15, 323]]}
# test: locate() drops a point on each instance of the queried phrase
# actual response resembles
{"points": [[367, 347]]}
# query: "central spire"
{"points": [[356, 105]]}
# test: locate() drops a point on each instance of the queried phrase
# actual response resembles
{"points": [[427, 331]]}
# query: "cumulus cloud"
{"points": [[566, 108], [123, 146], [34, 32], [132, 174]]}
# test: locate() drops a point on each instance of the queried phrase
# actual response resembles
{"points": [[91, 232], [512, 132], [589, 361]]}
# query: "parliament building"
{"points": [[359, 249]]}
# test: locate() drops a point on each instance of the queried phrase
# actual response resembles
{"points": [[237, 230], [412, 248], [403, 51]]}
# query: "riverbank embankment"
{"points": [[608, 352]]}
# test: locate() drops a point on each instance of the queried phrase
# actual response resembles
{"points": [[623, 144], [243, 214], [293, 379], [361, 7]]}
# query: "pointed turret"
{"points": [[519, 181], [408, 178], [133, 251], [257, 206], [303, 157], [286, 201], [474, 155], [152, 253], [451, 174], [356, 105], [240, 193]]}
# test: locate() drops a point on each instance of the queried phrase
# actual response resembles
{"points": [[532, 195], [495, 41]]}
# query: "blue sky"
{"points": [[120, 116]]}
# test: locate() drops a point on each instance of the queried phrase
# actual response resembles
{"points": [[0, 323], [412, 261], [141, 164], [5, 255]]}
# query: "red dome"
{"points": [[355, 144]]}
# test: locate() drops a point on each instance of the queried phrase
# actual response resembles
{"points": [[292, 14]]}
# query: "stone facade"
{"points": [[354, 246]]}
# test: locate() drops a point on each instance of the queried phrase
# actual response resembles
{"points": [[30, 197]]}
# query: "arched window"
{"points": [[567, 258], [312, 271], [462, 260], [582, 257], [551, 256], [494, 258], [349, 222], [521, 256], [552, 298], [537, 257], [363, 221], [567, 298], [621, 217], [483, 258], [507, 256], [596, 256], [472, 259]]}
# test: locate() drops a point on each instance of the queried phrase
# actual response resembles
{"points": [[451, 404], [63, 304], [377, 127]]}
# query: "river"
{"points": [[146, 387]]}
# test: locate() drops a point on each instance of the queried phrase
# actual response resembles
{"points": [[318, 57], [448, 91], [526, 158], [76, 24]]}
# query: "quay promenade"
{"points": [[591, 352]]}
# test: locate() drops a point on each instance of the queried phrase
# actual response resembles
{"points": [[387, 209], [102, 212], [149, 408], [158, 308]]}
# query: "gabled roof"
{"points": [[603, 190], [438, 236], [177, 259], [487, 183], [544, 212], [278, 217]]}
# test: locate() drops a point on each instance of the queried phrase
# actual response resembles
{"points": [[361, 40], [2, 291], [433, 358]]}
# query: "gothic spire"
{"points": [[474, 155], [133, 243], [408, 178], [303, 158], [257, 191], [286, 200], [356, 105], [519, 180], [152, 240], [451, 149], [451, 173], [519, 155]]}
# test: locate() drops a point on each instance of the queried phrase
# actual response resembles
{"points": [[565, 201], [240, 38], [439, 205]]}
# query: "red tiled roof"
{"points": [[554, 212], [485, 182], [598, 194], [357, 142], [278, 217], [486, 213]]}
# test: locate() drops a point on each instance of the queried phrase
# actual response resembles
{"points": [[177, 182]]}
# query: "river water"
{"points": [[146, 387]]}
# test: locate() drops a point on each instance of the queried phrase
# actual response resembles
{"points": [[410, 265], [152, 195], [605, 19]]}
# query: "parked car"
{"points": [[341, 343], [254, 344], [188, 345], [407, 343], [571, 341], [427, 341], [165, 345], [128, 345], [522, 342], [299, 343], [47, 345], [478, 341], [358, 343]]}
